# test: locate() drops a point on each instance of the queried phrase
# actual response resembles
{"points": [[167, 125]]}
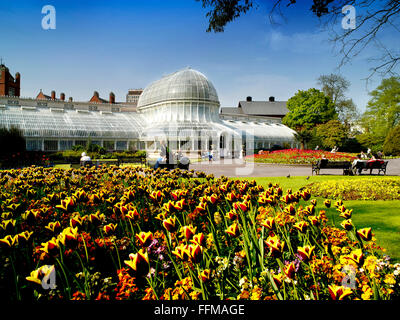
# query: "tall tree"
{"points": [[335, 86], [306, 110], [383, 111], [374, 18]]}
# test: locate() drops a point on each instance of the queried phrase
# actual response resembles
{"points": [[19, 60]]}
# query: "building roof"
{"points": [[264, 108], [186, 84]]}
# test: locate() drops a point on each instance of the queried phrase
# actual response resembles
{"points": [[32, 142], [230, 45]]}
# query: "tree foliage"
{"points": [[11, 141], [392, 142], [335, 87], [308, 109], [333, 133], [383, 111]]}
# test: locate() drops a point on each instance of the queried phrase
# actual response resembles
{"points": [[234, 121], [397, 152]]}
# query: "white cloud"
{"points": [[301, 42]]}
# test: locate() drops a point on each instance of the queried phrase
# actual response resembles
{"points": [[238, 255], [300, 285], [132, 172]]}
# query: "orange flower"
{"points": [[365, 234], [8, 225], [205, 275], [170, 224], [67, 204], [305, 195], [23, 237], [169, 206], [347, 224], [301, 226], [50, 247], [357, 256], [69, 236], [213, 198], [278, 279], [38, 275], [182, 252], [109, 228], [346, 214], [179, 205], [290, 209], [275, 246], [314, 220], [145, 238], [199, 239], [233, 230], [53, 226], [96, 218], [244, 206], [231, 215], [289, 270], [327, 203], [76, 221], [305, 252], [188, 232], [7, 241], [268, 223], [339, 292], [139, 262], [196, 253], [133, 215], [156, 196]]}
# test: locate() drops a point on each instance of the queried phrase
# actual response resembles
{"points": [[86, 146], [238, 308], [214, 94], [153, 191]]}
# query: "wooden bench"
{"points": [[326, 164], [379, 165]]}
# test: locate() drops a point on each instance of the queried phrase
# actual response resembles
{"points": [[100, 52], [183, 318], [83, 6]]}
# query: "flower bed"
{"points": [[135, 233], [381, 188], [297, 156]]}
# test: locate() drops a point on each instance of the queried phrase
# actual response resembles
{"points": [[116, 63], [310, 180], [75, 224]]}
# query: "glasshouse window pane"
{"points": [[80, 143], [66, 144], [109, 145], [33, 145], [122, 145], [50, 145]]}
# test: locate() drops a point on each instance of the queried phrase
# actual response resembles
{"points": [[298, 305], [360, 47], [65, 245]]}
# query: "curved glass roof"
{"points": [[262, 131], [43, 122], [186, 84]]}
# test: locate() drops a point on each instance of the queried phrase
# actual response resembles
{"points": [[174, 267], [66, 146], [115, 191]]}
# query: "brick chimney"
{"points": [[70, 99], [62, 96], [53, 95], [112, 98]]}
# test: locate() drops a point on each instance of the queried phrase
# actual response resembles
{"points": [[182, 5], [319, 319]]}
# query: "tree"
{"points": [[306, 110], [392, 142], [11, 141], [374, 17], [383, 112], [333, 133], [335, 87]]}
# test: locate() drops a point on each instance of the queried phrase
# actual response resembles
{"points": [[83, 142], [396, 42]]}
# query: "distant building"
{"points": [[9, 86], [133, 96], [253, 110]]}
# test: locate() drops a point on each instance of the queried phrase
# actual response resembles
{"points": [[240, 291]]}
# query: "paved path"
{"points": [[236, 168]]}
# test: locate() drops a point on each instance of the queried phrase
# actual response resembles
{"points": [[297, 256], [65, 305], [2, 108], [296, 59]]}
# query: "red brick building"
{"points": [[9, 86]]}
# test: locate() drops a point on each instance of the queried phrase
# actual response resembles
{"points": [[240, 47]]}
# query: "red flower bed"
{"points": [[297, 156]]}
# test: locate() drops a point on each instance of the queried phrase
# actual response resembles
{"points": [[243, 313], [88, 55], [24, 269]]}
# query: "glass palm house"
{"points": [[181, 109]]}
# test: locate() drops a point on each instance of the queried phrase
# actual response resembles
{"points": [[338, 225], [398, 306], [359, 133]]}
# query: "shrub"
{"points": [[392, 142]]}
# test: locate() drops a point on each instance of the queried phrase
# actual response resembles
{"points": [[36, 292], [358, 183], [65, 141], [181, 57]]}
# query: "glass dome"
{"points": [[186, 84]]}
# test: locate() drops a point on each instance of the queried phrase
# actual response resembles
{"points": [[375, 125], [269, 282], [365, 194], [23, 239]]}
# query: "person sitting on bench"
{"points": [[354, 166]]}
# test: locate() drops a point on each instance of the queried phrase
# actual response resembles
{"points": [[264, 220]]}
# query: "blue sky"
{"points": [[118, 45]]}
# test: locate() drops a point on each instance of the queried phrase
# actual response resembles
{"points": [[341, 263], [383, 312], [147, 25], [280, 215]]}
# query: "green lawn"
{"points": [[382, 216]]}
